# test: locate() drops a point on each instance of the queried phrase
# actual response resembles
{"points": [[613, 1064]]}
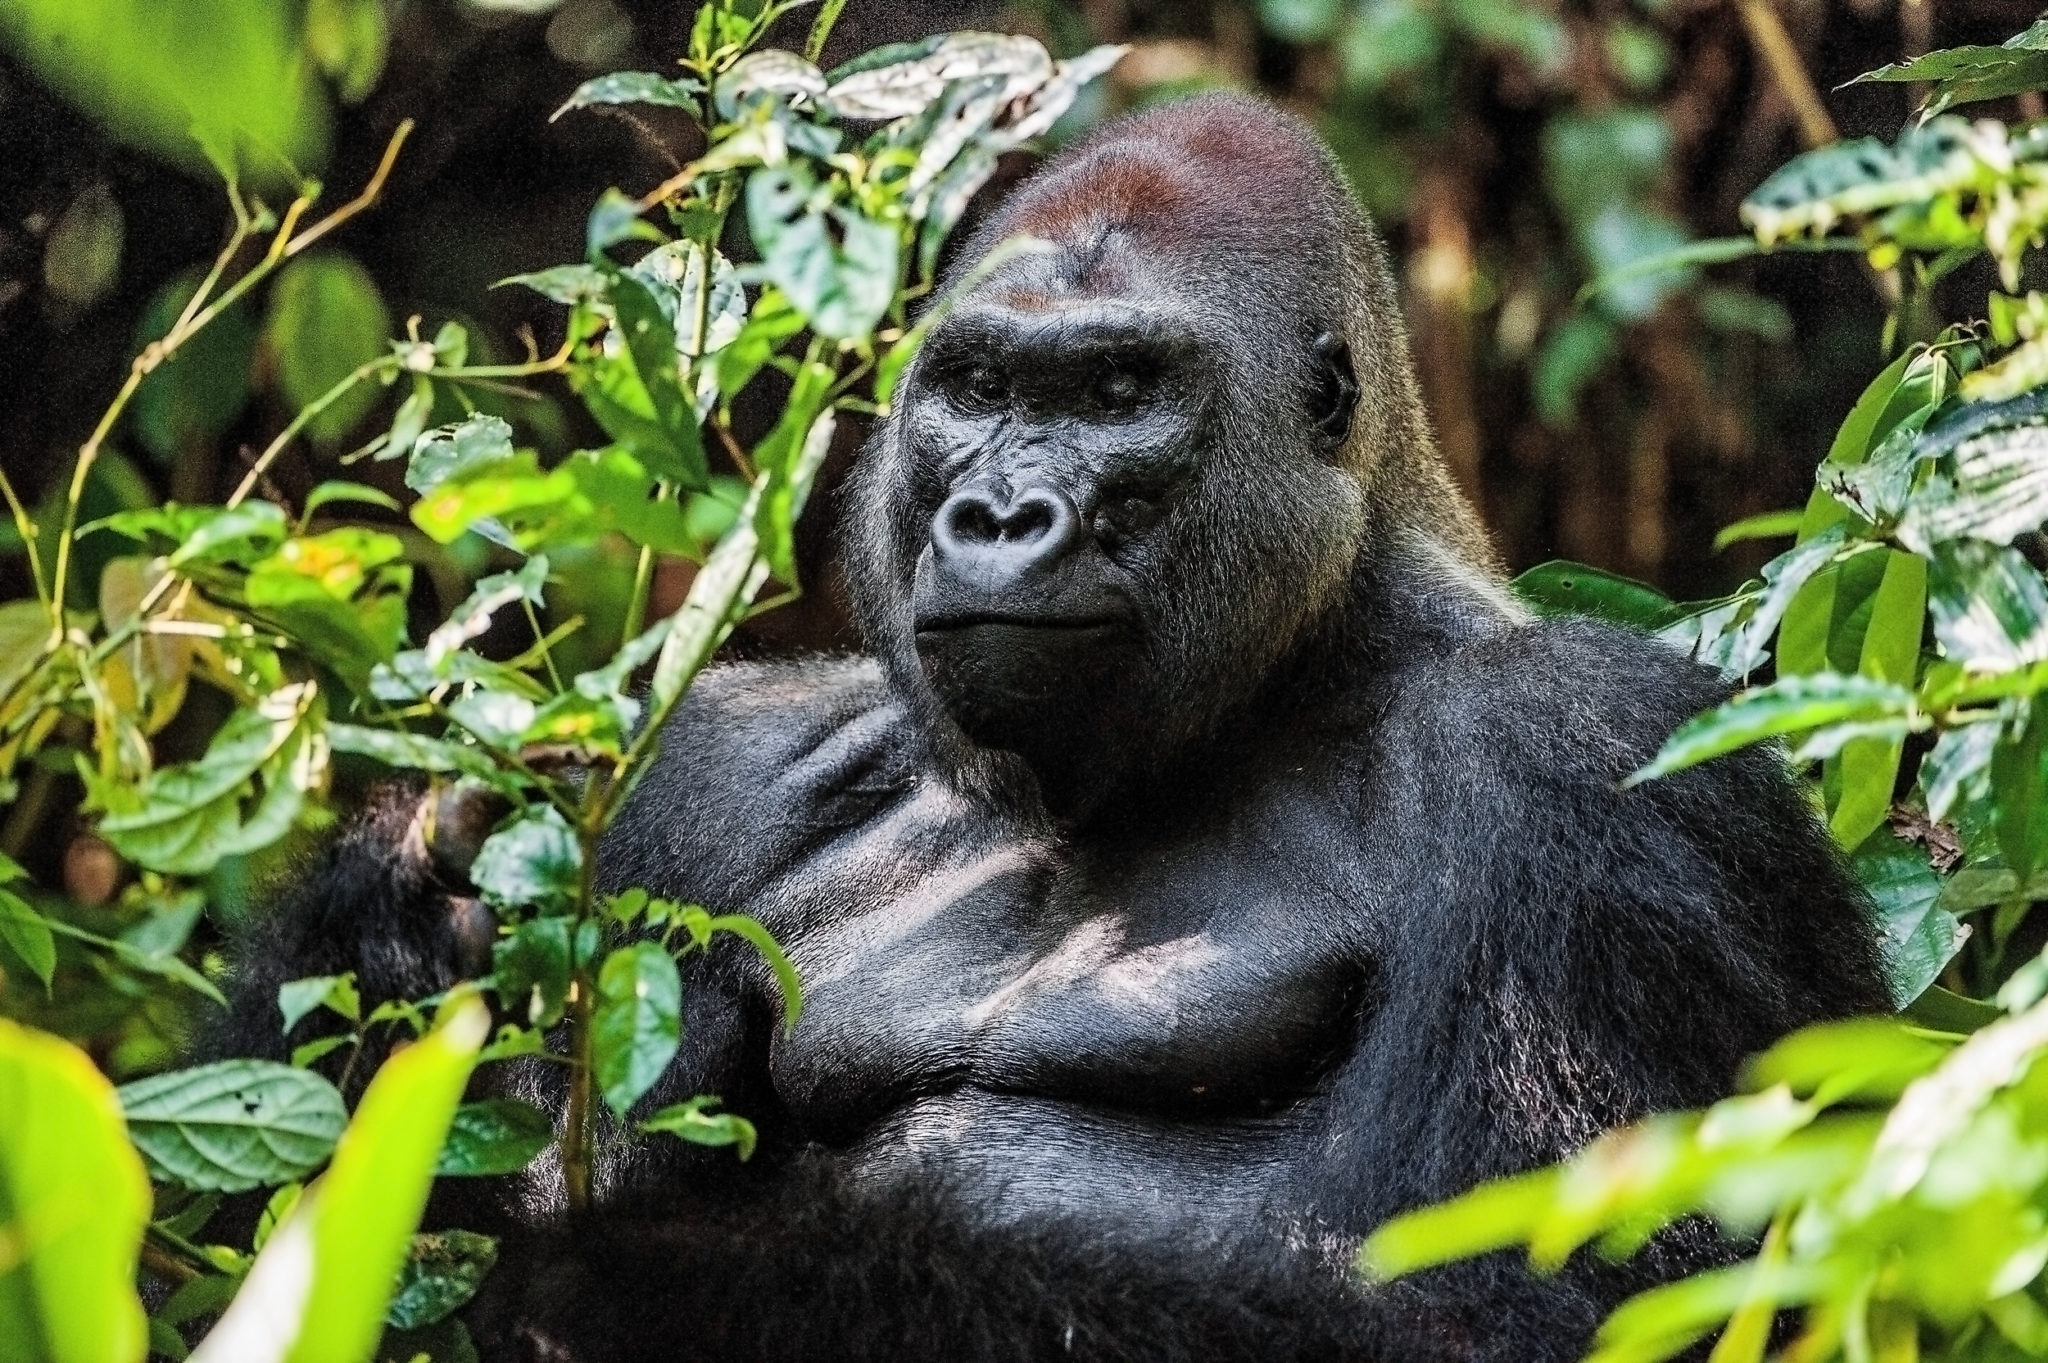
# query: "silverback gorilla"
{"points": [[1207, 860]]}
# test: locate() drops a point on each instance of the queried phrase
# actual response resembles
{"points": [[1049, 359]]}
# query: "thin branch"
{"points": [[361, 201], [1775, 47]]}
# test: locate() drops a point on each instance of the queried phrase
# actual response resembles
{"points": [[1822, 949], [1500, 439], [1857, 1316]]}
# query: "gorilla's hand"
{"points": [[448, 830]]}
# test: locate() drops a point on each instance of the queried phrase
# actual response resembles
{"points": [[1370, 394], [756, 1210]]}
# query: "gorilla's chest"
{"points": [[1202, 972]]}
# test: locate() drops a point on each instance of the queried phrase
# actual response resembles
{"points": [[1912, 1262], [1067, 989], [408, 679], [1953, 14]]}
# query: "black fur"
{"points": [[1210, 862]]}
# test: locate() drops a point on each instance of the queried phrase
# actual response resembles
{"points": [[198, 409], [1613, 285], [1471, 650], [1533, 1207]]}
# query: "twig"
{"points": [[1775, 47], [360, 201]]}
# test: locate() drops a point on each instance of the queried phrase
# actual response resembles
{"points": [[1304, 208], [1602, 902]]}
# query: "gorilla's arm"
{"points": [[1570, 955]]}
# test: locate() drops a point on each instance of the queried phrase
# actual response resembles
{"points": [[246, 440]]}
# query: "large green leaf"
{"points": [[1917, 935], [838, 266], [1566, 588], [73, 1201], [176, 76], [637, 1025], [1788, 706], [1846, 180], [1990, 607], [1867, 767], [234, 1125]]}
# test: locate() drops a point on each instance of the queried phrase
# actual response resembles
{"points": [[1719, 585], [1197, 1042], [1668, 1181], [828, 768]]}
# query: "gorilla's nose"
{"points": [[982, 537]]}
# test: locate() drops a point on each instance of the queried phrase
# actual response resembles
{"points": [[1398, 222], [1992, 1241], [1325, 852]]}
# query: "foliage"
{"points": [[294, 624], [1888, 1176]]}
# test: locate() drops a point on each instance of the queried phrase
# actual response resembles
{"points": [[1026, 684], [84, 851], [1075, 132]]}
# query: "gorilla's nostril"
{"points": [[970, 520], [1028, 521]]}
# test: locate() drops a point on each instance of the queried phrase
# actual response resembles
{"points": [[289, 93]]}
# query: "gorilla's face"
{"points": [[1118, 485], [1055, 448]]}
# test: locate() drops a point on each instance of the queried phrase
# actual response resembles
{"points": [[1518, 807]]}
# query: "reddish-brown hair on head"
{"points": [[1220, 172]]}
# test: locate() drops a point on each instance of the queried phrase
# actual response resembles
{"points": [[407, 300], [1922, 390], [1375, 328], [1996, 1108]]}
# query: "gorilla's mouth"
{"points": [[949, 624]]}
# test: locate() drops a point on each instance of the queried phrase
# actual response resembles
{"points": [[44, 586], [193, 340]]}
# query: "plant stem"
{"points": [[579, 1123], [821, 30], [1774, 45], [263, 461]]}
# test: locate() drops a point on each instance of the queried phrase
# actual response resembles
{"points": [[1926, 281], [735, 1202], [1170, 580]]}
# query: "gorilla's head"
{"points": [[1133, 470]]}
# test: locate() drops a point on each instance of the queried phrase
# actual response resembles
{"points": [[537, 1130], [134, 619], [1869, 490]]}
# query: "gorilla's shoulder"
{"points": [[1549, 700], [759, 761]]}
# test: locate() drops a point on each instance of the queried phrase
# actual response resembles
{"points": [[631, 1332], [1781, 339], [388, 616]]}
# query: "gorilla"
{"points": [[1206, 860]]}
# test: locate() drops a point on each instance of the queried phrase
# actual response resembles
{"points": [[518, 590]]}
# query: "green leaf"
{"points": [[790, 456], [442, 1272], [240, 797], [634, 87], [771, 951], [2019, 785], [1787, 706], [673, 449], [1868, 767], [417, 752], [1994, 486], [296, 998], [480, 499], [838, 267], [234, 1125], [1492, 1216], [531, 965], [243, 98], [24, 930], [614, 219], [339, 490], [637, 1025], [1766, 526], [1572, 357], [1969, 75], [494, 1136], [694, 1122], [1565, 588], [73, 1203], [354, 1229], [532, 862], [326, 319], [477, 442], [1990, 607], [1848, 180], [1917, 936]]}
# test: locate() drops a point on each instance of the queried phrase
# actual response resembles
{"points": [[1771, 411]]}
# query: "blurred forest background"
{"points": [[1510, 149]]}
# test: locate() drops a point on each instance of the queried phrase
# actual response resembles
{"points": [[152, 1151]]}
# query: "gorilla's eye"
{"points": [[1118, 391], [982, 384]]}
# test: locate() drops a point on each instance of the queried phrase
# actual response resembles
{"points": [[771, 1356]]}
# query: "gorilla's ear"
{"points": [[1336, 392]]}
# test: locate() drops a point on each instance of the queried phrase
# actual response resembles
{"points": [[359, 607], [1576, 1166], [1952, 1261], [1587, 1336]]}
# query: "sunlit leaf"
{"points": [[242, 795], [73, 1201], [637, 1024], [233, 1125], [1790, 705], [321, 1287], [694, 1122]]}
